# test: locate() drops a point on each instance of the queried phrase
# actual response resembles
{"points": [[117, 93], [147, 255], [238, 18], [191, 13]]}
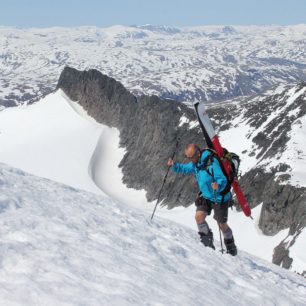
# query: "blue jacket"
{"points": [[205, 179]]}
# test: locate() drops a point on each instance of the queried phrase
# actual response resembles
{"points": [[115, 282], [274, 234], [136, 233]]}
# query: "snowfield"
{"points": [[63, 246], [50, 139]]}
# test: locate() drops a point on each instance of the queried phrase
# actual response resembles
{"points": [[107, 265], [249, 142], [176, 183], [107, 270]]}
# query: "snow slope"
{"points": [[50, 139], [188, 64], [55, 138], [64, 246]]}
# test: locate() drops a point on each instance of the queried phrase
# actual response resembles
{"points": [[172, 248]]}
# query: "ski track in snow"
{"points": [[64, 246]]}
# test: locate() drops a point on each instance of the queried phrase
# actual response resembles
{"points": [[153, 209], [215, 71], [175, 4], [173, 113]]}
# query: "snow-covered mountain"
{"points": [[65, 246], [187, 64], [266, 131], [56, 139], [109, 146]]}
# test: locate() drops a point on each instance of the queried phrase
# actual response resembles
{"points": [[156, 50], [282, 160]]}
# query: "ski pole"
{"points": [[222, 250], [164, 181]]}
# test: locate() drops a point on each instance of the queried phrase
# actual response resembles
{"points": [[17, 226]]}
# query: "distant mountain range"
{"points": [[186, 64]]}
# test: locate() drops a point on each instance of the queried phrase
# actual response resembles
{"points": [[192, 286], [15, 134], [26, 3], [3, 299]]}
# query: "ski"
{"points": [[213, 142]]}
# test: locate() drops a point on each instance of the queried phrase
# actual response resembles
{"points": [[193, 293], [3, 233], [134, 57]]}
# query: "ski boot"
{"points": [[207, 240], [230, 246]]}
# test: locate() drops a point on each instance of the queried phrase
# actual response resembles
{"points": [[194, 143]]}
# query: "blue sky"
{"points": [[43, 13]]}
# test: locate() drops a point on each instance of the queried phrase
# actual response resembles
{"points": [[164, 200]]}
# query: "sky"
{"points": [[102, 13]]}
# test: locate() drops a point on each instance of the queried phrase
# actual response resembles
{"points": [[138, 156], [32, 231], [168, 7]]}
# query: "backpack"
{"points": [[234, 162]]}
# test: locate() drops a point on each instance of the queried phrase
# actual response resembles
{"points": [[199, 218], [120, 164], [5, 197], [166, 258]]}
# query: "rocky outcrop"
{"points": [[283, 205], [281, 256], [149, 129]]}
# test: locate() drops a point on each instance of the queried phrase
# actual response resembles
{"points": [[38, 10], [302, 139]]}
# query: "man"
{"points": [[211, 181]]}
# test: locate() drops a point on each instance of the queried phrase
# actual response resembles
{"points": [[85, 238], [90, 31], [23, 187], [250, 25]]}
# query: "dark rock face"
{"points": [[283, 205], [281, 256], [149, 128]]}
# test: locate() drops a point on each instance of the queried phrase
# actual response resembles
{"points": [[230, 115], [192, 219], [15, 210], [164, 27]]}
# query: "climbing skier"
{"points": [[211, 181]]}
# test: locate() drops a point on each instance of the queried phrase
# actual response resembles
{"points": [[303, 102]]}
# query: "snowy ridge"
{"points": [[187, 64], [38, 139], [64, 246]]}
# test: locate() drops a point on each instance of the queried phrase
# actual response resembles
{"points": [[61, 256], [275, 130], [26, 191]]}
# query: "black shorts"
{"points": [[220, 210]]}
